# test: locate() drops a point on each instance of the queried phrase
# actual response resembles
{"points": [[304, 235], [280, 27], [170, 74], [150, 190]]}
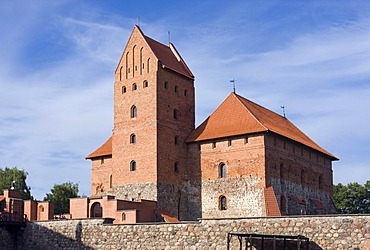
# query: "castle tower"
{"points": [[153, 115]]}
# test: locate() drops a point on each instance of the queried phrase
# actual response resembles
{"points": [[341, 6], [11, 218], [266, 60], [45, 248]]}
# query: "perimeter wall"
{"points": [[324, 232]]}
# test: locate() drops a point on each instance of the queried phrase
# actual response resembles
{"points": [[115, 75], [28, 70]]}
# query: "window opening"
{"points": [[134, 87], [222, 170], [222, 201], [133, 166], [176, 167], [132, 138], [133, 111], [175, 114], [145, 84]]}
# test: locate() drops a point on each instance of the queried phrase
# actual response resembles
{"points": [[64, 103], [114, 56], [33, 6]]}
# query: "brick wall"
{"points": [[245, 176], [294, 170], [325, 232]]}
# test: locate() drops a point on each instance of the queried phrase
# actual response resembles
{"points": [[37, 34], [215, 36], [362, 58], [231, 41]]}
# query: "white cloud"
{"points": [[53, 115]]}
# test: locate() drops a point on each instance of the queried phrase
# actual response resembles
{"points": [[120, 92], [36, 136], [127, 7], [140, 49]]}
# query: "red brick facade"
{"points": [[220, 169]]}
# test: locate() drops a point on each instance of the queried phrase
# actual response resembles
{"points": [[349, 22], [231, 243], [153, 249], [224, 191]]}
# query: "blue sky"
{"points": [[58, 58]]}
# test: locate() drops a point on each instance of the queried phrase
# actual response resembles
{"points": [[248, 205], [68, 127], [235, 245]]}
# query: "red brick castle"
{"points": [[243, 160]]}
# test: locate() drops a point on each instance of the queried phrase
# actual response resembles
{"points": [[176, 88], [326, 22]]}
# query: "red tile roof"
{"points": [[297, 200], [168, 56], [272, 208], [238, 116], [103, 150], [317, 203]]}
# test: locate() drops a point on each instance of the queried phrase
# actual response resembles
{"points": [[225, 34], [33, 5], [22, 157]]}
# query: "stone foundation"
{"points": [[324, 232]]}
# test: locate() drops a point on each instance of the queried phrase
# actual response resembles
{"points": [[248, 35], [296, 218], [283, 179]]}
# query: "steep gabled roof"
{"points": [[103, 150], [168, 56], [238, 116]]}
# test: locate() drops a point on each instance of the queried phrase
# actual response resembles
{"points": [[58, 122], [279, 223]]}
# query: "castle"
{"points": [[242, 161]]}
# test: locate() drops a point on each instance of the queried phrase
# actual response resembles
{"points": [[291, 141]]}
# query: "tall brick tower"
{"points": [[153, 115]]}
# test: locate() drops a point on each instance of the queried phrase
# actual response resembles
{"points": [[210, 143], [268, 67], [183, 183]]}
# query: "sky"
{"points": [[57, 62]]}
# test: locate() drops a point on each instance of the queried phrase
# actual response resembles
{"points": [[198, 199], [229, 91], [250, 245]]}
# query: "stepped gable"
{"points": [[238, 116], [168, 56], [103, 150]]}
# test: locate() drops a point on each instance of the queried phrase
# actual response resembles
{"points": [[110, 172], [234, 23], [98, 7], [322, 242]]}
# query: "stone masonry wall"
{"points": [[324, 232], [6, 239]]}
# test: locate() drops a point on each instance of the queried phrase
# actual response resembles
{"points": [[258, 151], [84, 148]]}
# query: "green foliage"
{"points": [[60, 195], [353, 198], [19, 176]]}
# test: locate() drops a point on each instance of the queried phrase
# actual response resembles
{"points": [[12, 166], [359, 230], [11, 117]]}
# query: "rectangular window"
{"points": [[229, 143], [213, 144]]}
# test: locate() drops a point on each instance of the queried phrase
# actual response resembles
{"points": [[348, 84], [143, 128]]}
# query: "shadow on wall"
{"points": [[38, 237]]}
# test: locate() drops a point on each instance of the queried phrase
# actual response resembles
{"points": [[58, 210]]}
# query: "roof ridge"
{"points": [[250, 112]]}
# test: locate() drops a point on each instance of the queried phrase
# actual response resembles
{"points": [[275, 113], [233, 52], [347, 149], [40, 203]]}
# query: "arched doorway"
{"points": [[96, 210]]}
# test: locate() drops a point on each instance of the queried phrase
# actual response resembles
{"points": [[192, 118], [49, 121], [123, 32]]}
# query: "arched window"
{"points": [[148, 65], [176, 167], [176, 140], [175, 114], [283, 205], [133, 166], [132, 138], [145, 84], [165, 84], [176, 89], [110, 181], [222, 170], [134, 87], [123, 89], [320, 182], [222, 203], [133, 111], [123, 216], [185, 92], [96, 210]]}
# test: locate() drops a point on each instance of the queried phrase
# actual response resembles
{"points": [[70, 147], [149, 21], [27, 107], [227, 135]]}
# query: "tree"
{"points": [[16, 178], [353, 198], [60, 195]]}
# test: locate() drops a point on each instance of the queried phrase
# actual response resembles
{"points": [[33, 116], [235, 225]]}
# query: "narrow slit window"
{"points": [[222, 203], [133, 111], [222, 170], [133, 166]]}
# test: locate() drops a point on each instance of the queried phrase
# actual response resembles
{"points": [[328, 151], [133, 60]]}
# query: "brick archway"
{"points": [[96, 210]]}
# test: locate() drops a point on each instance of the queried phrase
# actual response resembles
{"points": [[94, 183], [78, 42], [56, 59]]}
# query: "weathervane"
{"points": [[233, 82], [283, 107]]}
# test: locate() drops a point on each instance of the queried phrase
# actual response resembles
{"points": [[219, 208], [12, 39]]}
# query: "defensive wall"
{"points": [[324, 232]]}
